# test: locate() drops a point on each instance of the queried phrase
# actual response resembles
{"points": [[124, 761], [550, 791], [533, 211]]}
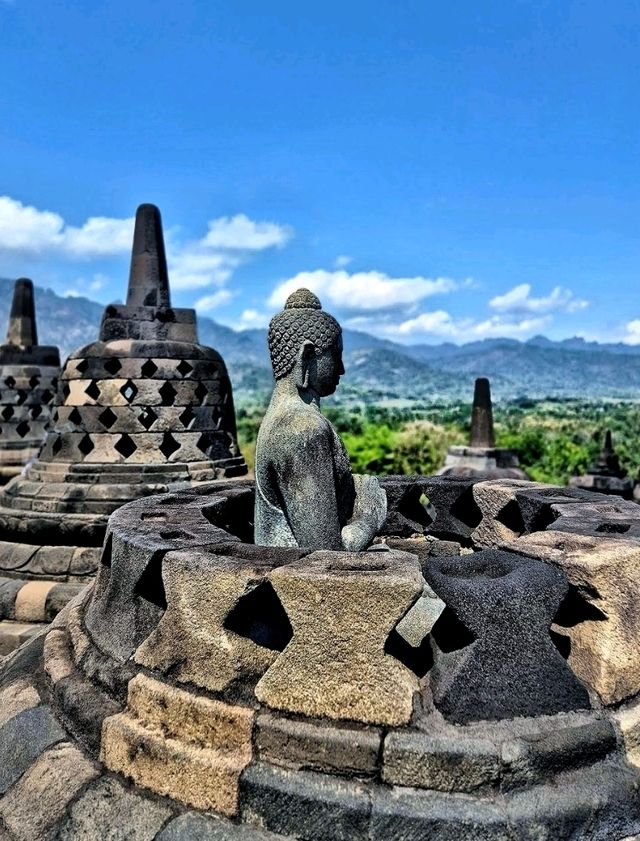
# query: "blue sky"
{"points": [[435, 171]]}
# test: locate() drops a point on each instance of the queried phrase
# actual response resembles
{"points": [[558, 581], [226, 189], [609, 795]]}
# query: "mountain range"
{"points": [[379, 369]]}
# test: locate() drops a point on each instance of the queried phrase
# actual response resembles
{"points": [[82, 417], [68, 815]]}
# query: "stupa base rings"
{"points": [[178, 689]]}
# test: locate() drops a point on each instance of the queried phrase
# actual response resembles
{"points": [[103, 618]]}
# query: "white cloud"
{"points": [[342, 261], [239, 233], [213, 301], [251, 319], [632, 334], [519, 300], [362, 291], [28, 231]]}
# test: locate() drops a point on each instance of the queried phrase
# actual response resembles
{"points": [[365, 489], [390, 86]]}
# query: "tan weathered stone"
{"points": [[628, 720], [39, 799], [57, 656], [178, 744], [79, 639], [605, 651], [17, 697], [342, 607], [492, 497], [31, 600], [191, 639]]}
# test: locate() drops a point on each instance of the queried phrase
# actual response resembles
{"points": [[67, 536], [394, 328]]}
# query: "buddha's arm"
{"points": [[307, 488], [369, 513]]}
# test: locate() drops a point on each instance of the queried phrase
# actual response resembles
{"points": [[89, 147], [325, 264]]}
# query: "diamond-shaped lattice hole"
{"points": [[75, 417], [147, 418], [36, 412], [56, 446], [125, 445], [187, 417], [92, 390], [47, 396], [201, 392], [129, 390], [107, 418], [86, 445], [204, 442], [22, 428], [168, 394], [9, 382], [149, 368], [169, 445], [34, 381], [259, 615], [7, 412], [184, 368], [22, 396], [216, 417], [82, 366], [112, 366]]}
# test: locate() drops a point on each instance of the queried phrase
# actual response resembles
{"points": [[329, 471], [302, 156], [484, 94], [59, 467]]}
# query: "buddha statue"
{"points": [[306, 495]]}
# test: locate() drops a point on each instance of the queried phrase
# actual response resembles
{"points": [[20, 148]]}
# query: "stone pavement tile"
{"points": [[22, 739], [111, 812], [33, 806]]}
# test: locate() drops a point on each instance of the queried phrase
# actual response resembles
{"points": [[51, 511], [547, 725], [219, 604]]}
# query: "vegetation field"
{"points": [[555, 439]]}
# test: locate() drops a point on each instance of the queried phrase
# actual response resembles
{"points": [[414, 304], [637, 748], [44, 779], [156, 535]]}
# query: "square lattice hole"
{"points": [[22, 428], [147, 418], [86, 445], [9, 382], [34, 381], [187, 417], [184, 368], [22, 396], [82, 366], [168, 394], [36, 412], [149, 368], [112, 366], [204, 442], [107, 418], [201, 392], [7, 412], [125, 445], [75, 417], [169, 445], [129, 391]]}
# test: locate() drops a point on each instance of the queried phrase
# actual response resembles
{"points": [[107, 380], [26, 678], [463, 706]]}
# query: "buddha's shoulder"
{"points": [[299, 423]]}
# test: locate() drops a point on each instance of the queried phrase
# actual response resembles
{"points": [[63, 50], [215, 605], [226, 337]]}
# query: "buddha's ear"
{"points": [[306, 353]]}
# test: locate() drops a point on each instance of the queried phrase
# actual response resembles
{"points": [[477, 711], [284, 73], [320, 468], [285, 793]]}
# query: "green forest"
{"points": [[554, 439]]}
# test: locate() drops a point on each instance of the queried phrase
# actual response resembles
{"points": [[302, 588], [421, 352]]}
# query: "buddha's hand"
{"points": [[369, 513]]}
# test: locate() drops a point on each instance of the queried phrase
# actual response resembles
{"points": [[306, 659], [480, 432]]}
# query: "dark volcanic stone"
{"points": [[511, 668], [315, 807], [22, 739], [192, 826]]}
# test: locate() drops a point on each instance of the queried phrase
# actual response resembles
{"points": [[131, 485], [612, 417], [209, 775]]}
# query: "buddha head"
{"points": [[305, 344]]}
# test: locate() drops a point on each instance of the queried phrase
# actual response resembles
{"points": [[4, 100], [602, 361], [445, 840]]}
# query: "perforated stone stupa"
{"points": [[482, 458], [606, 476], [28, 383], [143, 410]]}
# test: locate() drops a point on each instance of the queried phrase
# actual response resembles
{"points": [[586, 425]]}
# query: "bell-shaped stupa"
{"points": [[143, 410], [482, 458], [606, 476], [28, 381]]}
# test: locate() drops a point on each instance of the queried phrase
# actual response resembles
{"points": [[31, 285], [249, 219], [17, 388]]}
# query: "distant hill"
{"points": [[380, 369]]}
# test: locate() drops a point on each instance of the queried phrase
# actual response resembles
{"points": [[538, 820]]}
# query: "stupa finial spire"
{"points": [[148, 276], [22, 329], [482, 415]]}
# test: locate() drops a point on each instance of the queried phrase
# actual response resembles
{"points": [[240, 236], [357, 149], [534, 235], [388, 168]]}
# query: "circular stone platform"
{"points": [[206, 687]]}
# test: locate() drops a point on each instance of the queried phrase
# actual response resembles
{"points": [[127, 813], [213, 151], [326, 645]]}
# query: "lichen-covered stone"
{"points": [[342, 608]]}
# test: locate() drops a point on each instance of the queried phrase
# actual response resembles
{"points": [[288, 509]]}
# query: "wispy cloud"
{"points": [[519, 300]]}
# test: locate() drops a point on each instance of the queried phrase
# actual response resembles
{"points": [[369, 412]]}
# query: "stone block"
{"points": [[628, 720], [58, 662], [601, 620], [16, 697], [31, 601], [108, 806], [342, 607], [193, 826], [9, 588], [191, 640], [178, 744], [87, 706], [13, 634], [39, 800], [509, 666], [315, 745], [22, 739], [444, 762], [305, 804], [501, 517]]}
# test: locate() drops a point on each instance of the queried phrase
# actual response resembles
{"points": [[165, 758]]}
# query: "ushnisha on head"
{"points": [[305, 343]]}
